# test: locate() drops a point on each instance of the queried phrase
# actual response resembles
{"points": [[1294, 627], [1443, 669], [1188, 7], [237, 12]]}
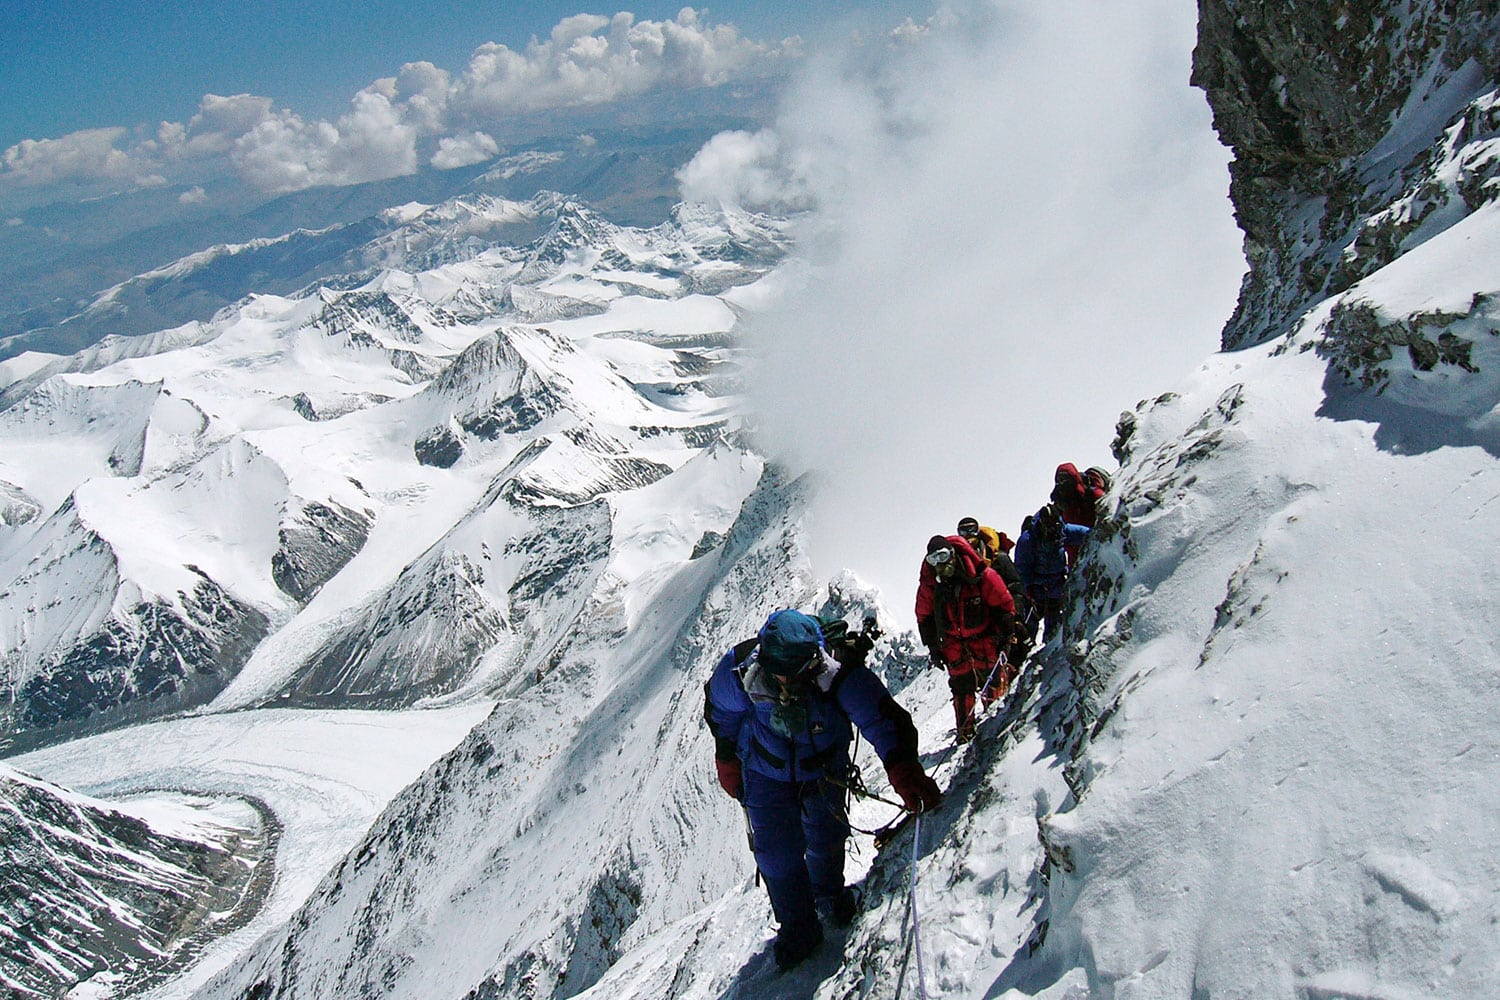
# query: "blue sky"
{"points": [[68, 65], [276, 96]]}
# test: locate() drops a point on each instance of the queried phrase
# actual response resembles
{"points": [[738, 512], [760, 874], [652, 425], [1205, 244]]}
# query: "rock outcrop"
{"points": [[1359, 129]]}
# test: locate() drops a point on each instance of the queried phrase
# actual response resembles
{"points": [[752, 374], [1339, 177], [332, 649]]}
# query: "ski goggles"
{"points": [[784, 671], [939, 557]]}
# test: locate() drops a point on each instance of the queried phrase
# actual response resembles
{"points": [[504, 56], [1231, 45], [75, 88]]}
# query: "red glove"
{"points": [[918, 792], [729, 776]]}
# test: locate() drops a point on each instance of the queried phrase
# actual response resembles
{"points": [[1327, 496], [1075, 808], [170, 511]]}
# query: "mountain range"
{"points": [[455, 536]]}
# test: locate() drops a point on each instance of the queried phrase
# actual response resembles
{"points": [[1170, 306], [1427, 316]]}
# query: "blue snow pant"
{"points": [[800, 829]]}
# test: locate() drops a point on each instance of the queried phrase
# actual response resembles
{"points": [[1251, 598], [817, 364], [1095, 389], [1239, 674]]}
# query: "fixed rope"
{"points": [[1000, 662], [916, 924]]}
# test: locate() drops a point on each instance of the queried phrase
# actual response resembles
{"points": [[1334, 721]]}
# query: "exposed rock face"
{"points": [[440, 448], [1360, 129], [86, 890], [16, 506], [317, 541], [422, 639], [154, 658]]}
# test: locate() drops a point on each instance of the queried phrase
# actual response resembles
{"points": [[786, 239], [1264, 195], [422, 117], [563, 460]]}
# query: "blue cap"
{"points": [[788, 642]]}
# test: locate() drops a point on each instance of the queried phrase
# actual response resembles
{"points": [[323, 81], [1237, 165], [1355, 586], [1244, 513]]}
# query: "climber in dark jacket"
{"points": [[1042, 562], [782, 712]]}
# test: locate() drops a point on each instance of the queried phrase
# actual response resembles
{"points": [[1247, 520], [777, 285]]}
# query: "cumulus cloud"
{"points": [[370, 142], [422, 111], [464, 150], [193, 196], [1021, 229], [88, 155], [752, 170], [590, 59], [219, 123]]}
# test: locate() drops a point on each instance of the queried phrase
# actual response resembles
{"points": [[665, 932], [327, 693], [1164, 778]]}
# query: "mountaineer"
{"points": [[965, 617], [782, 710], [1042, 561]]}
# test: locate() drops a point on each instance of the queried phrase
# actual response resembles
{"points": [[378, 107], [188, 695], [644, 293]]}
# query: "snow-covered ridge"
{"points": [[1260, 762]]}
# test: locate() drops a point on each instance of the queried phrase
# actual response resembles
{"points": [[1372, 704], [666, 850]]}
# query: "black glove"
{"points": [[1005, 625], [927, 632], [936, 658]]}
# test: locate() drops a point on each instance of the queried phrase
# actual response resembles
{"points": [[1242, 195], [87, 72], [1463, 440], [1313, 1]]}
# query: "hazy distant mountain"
{"points": [[56, 261]]}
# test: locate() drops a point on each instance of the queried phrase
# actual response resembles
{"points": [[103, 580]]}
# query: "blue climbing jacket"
{"points": [[1043, 565], [802, 739]]}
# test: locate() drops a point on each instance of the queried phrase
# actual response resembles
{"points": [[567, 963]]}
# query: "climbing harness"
{"points": [[856, 788]]}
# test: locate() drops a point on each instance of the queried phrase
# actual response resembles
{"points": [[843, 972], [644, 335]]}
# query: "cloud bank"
{"points": [[1021, 229], [423, 114]]}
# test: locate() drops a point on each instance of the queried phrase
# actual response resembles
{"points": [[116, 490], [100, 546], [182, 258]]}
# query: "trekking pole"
{"points": [[750, 836], [916, 924]]}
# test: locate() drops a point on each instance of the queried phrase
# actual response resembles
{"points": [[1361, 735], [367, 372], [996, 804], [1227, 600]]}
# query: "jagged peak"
{"points": [[480, 363]]}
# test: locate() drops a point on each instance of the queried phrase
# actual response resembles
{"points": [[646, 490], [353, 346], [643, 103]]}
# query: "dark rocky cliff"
{"points": [[1338, 113]]}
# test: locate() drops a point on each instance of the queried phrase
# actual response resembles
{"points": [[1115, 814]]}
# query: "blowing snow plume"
{"points": [[1019, 227]]}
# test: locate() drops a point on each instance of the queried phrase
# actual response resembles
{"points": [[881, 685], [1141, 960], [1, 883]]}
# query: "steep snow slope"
{"points": [[527, 859]]}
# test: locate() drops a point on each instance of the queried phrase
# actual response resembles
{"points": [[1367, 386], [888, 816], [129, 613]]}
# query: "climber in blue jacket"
{"points": [[1043, 564], [782, 710]]}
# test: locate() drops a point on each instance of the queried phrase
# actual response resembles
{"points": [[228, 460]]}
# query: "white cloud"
{"points": [[219, 123], [464, 150], [423, 88], [88, 155], [746, 170], [370, 142], [193, 196], [589, 59], [1022, 228]]}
